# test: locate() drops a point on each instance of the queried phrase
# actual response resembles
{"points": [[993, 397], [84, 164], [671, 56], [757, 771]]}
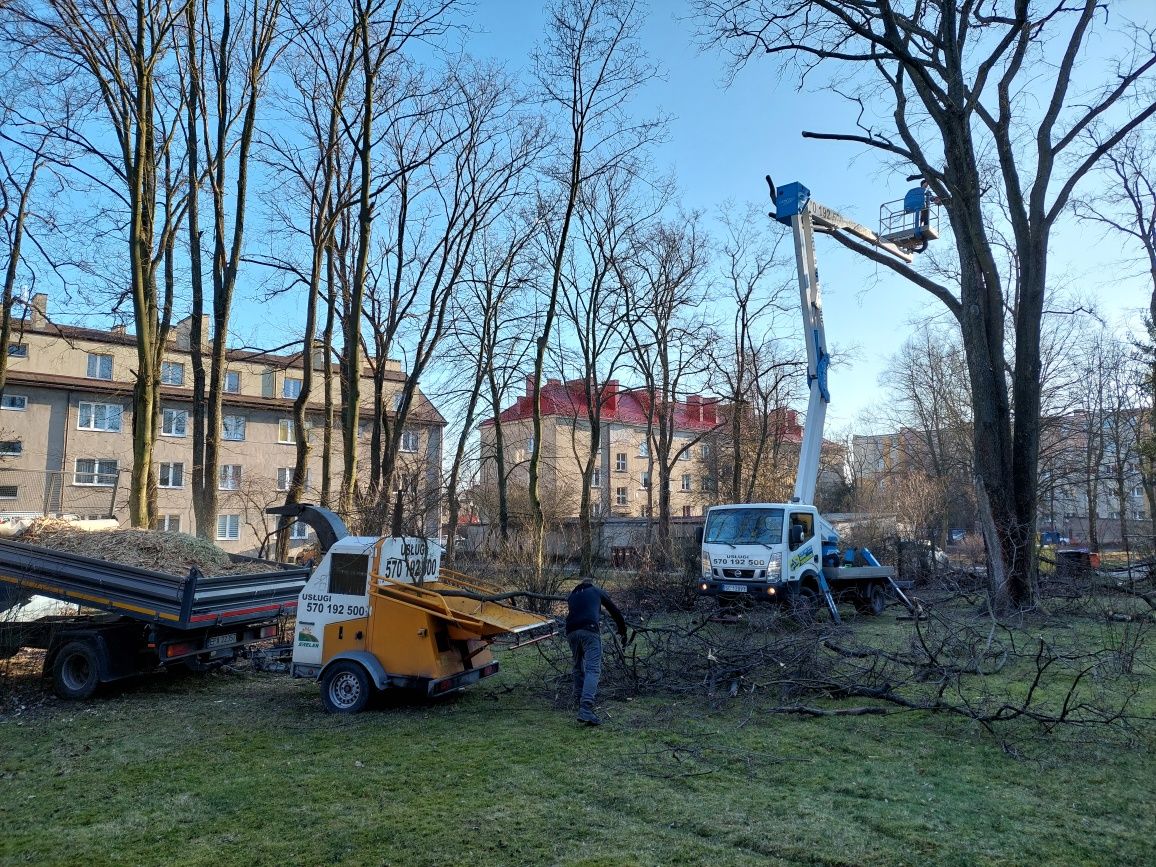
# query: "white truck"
{"points": [[787, 552]]}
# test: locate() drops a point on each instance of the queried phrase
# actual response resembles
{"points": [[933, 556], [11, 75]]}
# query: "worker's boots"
{"points": [[586, 716]]}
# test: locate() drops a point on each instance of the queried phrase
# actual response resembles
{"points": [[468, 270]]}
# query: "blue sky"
{"points": [[724, 139]]}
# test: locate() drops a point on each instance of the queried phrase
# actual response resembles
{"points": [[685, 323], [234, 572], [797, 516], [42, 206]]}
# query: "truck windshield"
{"points": [[745, 527]]}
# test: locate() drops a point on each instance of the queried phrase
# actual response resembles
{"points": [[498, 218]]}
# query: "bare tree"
{"points": [[122, 53], [589, 66], [958, 83], [664, 282]]}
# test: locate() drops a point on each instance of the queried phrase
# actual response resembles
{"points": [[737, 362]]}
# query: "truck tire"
{"points": [[346, 688], [876, 600], [76, 671]]}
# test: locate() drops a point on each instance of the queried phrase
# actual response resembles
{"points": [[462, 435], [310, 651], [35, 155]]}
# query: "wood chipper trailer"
{"points": [[380, 613]]}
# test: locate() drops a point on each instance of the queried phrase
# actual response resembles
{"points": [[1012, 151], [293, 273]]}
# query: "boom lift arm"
{"points": [[795, 208]]}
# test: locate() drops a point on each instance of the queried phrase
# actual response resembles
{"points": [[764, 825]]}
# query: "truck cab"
{"points": [[769, 550]]}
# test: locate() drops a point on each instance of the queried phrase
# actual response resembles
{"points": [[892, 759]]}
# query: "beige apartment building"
{"points": [[66, 432], [625, 482]]}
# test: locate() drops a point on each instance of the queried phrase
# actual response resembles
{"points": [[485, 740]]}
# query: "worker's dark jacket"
{"points": [[584, 602]]}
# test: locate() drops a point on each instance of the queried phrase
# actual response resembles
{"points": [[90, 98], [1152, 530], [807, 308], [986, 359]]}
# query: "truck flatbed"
{"points": [[192, 601]]}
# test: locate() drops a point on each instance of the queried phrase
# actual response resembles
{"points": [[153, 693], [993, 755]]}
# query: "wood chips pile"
{"points": [[171, 553]]}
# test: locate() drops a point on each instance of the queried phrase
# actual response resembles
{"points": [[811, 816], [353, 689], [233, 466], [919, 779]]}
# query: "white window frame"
{"points": [[225, 428], [620, 462], [644, 449], [286, 433], [99, 359], [169, 524], [298, 531], [11, 452], [288, 392], [236, 374], [596, 478], [17, 350], [410, 441], [100, 470], [9, 399], [284, 478], [167, 368], [92, 411], [180, 473], [621, 497], [644, 479], [169, 426], [228, 528], [227, 480], [687, 484]]}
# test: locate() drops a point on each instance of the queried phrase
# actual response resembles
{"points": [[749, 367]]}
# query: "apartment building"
{"points": [[626, 476], [66, 431]]}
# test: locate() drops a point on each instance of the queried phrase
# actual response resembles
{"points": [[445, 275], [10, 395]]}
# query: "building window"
{"points": [[99, 416], [298, 531], [95, 472], [1138, 491], [530, 446], [17, 350], [168, 523], [286, 432], [229, 477], [620, 497], [620, 462], [596, 509], [172, 373], [596, 478], [684, 455], [709, 484], [172, 475], [686, 481], [284, 478], [1137, 516], [291, 388], [409, 440], [646, 512], [644, 449], [233, 428], [686, 511], [9, 492], [18, 402], [232, 382], [228, 528], [397, 401], [174, 422], [11, 448], [99, 366], [704, 451], [646, 480]]}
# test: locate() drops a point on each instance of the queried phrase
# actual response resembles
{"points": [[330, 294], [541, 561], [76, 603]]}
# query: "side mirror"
{"points": [[796, 535], [698, 533]]}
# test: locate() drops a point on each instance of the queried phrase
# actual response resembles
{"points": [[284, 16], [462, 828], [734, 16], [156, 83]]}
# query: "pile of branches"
{"points": [[172, 553], [954, 659]]}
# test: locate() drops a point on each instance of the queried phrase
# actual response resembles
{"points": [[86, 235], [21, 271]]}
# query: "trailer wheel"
{"points": [[76, 671], [876, 600], [346, 688]]}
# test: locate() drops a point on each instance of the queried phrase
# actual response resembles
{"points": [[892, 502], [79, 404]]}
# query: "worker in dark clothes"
{"points": [[582, 618]]}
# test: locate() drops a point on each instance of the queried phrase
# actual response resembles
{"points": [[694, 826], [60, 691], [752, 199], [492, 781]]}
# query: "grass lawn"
{"points": [[245, 768]]}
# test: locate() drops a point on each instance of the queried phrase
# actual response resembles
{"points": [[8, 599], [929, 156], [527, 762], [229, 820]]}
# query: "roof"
{"points": [[624, 406]]}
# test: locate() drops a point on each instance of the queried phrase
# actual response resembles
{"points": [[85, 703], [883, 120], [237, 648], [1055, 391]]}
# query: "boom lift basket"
{"points": [[908, 226]]}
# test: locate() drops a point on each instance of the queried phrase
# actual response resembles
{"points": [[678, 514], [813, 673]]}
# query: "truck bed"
{"points": [[192, 601]]}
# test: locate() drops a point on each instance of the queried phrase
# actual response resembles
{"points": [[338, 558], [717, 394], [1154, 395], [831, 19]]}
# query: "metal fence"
{"points": [[29, 493]]}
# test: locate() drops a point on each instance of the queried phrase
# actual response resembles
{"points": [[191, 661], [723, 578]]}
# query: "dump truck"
{"points": [[380, 613], [135, 620]]}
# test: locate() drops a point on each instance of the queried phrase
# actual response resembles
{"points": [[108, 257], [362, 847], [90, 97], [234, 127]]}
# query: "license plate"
{"points": [[734, 588], [220, 640]]}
